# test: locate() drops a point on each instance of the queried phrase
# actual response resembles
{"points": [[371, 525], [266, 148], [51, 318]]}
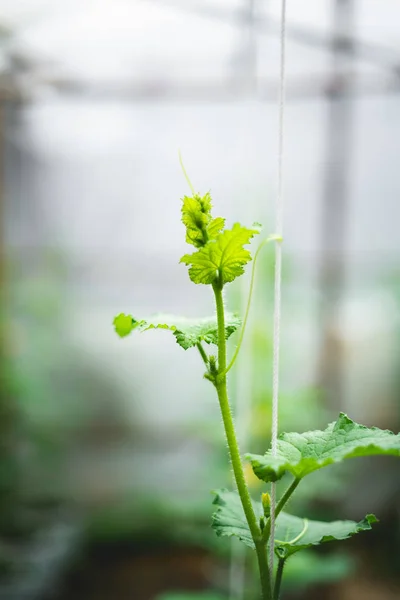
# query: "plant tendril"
{"points": [[272, 238], [185, 174]]}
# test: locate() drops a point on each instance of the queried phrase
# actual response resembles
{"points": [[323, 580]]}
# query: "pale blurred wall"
{"points": [[100, 180]]}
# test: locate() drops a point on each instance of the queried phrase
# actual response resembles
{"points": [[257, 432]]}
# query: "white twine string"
{"points": [[278, 271]]}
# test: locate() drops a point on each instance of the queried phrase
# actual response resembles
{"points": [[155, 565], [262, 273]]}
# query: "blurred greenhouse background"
{"points": [[110, 448]]}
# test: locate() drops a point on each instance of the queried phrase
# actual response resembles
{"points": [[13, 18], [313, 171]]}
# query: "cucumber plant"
{"points": [[219, 257]]}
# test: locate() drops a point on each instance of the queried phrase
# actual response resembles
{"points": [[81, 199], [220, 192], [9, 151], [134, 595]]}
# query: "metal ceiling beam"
{"points": [[233, 89], [370, 52]]}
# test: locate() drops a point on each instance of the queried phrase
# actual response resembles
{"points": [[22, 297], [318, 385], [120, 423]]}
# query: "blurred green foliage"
{"points": [[191, 596], [302, 571], [308, 568]]}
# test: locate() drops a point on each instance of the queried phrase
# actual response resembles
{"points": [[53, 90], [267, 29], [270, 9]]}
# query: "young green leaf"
{"points": [[291, 533], [196, 216], [124, 324], [223, 257], [188, 332], [215, 227], [303, 453]]}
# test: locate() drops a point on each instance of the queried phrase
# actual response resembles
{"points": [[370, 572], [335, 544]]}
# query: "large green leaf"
{"points": [[291, 534], [223, 257], [188, 332], [303, 453], [229, 518]]}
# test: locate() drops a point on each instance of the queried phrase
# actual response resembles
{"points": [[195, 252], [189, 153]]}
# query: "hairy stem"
{"points": [[202, 353], [278, 578], [280, 506], [221, 387]]}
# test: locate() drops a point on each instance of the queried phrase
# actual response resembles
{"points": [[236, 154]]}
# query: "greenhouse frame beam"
{"points": [[370, 52], [230, 89]]}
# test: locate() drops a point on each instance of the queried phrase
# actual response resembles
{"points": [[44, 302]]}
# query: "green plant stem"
{"points": [[221, 387], [278, 578], [202, 353], [280, 505]]}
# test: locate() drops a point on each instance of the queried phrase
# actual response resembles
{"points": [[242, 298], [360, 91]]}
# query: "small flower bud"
{"points": [[213, 364], [266, 502]]}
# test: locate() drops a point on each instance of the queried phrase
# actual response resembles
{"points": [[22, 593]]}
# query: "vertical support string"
{"points": [[278, 271]]}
